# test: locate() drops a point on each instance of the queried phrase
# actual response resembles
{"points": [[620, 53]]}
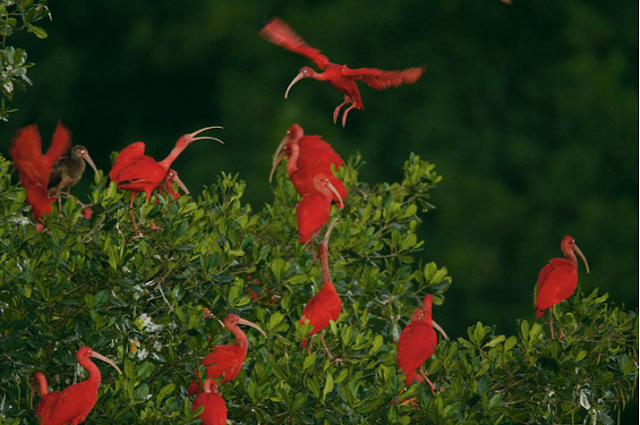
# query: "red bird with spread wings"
{"points": [[225, 361], [35, 168], [339, 76], [326, 304], [417, 343], [136, 172], [215, 409], [73, 404], [558, 280]]}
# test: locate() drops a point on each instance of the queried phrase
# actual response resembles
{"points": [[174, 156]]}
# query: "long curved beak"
{"points": [[195, 133], [90, 161], [180, 183], [439, 329], [277, 157], [335, 191], [331, 226], [577, 250], [106, 360], [297, 78], [253, 325]]}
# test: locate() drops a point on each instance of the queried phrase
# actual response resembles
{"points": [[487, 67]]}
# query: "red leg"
{"points": [[344, 115], [135, 225], [551, 324], [424, 375], [336, 111]]}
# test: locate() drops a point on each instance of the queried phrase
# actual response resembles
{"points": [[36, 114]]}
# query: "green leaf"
{"points": [[328, 386]]}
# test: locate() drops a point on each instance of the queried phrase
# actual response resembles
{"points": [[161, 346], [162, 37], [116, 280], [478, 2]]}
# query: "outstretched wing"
{"points": [[60, 144], [379, 79], [281, 34], [26, 153], [125, 158]]}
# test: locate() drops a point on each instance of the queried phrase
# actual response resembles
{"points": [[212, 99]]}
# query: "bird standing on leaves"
{"points": [[326, 304], [225, 361], [339, 76], [558, 280], [73, 404]]}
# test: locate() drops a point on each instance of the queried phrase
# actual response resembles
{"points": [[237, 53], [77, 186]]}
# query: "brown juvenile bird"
{"points": [[68, 171]]}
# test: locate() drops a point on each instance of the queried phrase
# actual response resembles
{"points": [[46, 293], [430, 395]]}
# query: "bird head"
{"points": [[172, 176], [187, 139], [288, 147], [417, 315], [86, 352], [79, 151], [234, 320], [210, 386], [305, 72], [568, 246], [323, 184]]}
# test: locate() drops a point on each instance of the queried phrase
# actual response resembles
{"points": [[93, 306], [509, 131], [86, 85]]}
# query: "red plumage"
{"points": [[339, 76], [215, 409], [73, 404], [312, 212], [34, 167]]}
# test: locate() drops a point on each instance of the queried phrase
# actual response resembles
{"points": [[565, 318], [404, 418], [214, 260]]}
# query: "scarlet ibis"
{"points": [[34, 167], [73, 404], [225, 361], [326, 304], [308, 156], [313, 210], [67, 171], [136, 172], [339, 76], [558, 279], [215, 409], [417, 343]]}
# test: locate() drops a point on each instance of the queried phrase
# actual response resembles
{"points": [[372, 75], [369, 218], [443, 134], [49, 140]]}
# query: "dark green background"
{"points": [[530, 112]]}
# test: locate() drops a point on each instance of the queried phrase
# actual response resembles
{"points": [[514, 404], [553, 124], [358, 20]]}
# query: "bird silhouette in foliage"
{"points": [[215, 409], [308, 156], [34, 167], [558, 280], [136, 172], [73, 404], [417, 343], [68, 171], [340, 77], [326, 304], [225, 361]]}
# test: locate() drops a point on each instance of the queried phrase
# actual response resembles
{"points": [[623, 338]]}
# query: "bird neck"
{"points": [[177, 150], [292, 163], [571, 256], [41, 382], [92, 368], [324, 265], [241, 338]]}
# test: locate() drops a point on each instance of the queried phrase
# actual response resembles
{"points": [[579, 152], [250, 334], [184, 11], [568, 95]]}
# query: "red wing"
{"points": [[26, 153], [416, 344], [224, 361], [556, 282], [46, 402], [316, 152], [281, 34], [379, 79], [143, 169], [60, 144], [312, 213], [215, 409], [125, 157], [322, 307]]}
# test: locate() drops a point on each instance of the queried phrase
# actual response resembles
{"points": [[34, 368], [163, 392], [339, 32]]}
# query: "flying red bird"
{"points": [[215, 409], [225, 361], [558, 279], [34, 167], [417, 343], [73, 404], [339, 76], [136, 172], [308, 156], [68, 171], [326, 304], [314, 209]]}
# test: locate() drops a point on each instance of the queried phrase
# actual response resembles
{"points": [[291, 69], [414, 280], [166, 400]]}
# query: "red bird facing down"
{"points": [[73, 404], [558, 280], [225, 361], [136, 172], [339, 76], [308, 156], [34, 167], [215, 409], [326, 304], [417, 343]]}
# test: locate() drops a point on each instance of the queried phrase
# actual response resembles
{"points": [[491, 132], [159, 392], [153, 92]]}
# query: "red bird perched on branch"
{"points": [[136, 172], [314, 209], [326, 304], [215, 409], [34, 167], [339, 76], [308, 156], [73, 404], [225, 361], [417, 343], [558, 279]]}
